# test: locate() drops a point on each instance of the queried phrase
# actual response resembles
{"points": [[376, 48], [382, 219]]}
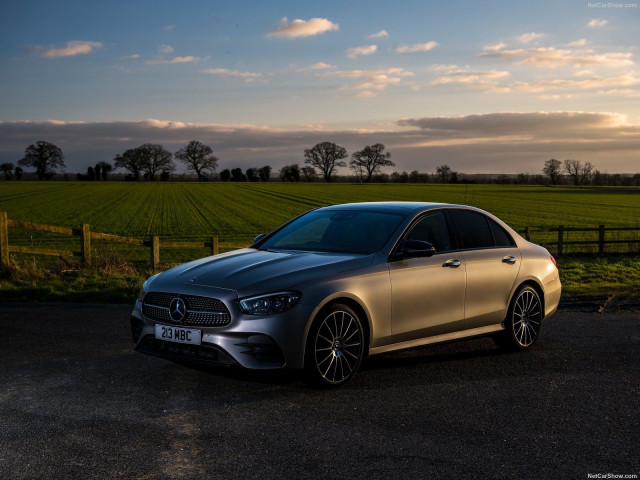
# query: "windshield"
{"points": [[344, 231]]}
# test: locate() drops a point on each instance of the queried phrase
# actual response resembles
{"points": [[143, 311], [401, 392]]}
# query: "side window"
{"points": [[473, 229], [433, 229], [502, 238]]}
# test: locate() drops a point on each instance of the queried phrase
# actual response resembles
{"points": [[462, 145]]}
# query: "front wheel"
{"points": [[335, 346], [523, 322]]}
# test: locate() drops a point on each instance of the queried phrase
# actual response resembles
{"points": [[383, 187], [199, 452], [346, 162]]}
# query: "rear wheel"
{"points": [[335, 346], [523, 322]]}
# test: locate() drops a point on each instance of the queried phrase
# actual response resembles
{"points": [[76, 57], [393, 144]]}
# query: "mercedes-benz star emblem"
{"points": [[177, 309]]}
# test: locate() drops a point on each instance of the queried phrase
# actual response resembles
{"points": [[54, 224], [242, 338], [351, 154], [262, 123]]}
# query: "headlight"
{"points": [[269, 304]]}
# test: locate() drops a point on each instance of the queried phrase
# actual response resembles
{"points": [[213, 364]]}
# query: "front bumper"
{"points": [[270, 342]]}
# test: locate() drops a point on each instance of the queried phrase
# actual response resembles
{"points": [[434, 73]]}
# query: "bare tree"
{"points": [[18, 173], [198, 157], [7, 169], [290, 173], [45, 157], [105, 169], [131, 160], [371, 159], [358, 170], [552, 169], [156, 159], [309, 173], [264, 173], [580, 173], [326, 156], [444, 172]]}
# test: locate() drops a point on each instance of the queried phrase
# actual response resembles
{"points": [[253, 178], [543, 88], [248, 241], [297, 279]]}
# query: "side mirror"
{"points": [[259, 237], [415, 249]]}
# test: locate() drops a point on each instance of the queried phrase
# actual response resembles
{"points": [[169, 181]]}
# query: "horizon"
{"points": [[480, 87]]}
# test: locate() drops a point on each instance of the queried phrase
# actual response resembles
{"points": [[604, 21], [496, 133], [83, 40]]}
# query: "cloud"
{"points": [[494, 47], [160, 60], [368, 80], [578, 43], [475, 78], [75, 47], [380, 34], [130, 57], [530, 37], [597, 22], [553, 57], [225, 72], [165, 49], [591, 83], [364, 50], [366, 94], [168, 28], [303, 28], [316, 66], [417, 47], [505, 142]]}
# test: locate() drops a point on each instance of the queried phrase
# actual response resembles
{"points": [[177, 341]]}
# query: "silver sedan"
{"points": [[338, 283]]}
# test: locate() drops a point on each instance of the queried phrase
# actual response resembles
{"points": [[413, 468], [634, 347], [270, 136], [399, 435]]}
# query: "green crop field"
{"points": [[237, 212]]}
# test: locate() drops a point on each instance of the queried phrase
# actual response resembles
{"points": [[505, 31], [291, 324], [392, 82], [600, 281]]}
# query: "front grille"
{"points": [[201, 311]]}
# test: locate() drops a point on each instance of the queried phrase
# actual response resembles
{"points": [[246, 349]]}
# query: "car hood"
{"points": [[249, 271]]}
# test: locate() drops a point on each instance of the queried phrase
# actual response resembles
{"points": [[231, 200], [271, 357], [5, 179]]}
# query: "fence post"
{"points": [[4, 239], [527, 234], [155, 252], [601, 239], [560, 239], [214, 245], [85, 244]]}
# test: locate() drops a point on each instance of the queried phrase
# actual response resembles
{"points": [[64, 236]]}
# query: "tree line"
{"points": [[152, 162]]}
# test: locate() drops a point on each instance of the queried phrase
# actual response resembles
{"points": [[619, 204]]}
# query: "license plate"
{"points": [[178, 334]]}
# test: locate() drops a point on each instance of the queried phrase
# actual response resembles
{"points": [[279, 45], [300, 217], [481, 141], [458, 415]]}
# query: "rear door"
{"points": [[427, 294], [492, 263]]}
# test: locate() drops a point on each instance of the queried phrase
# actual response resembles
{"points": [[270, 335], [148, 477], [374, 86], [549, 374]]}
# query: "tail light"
{"points": [[553, 260]]}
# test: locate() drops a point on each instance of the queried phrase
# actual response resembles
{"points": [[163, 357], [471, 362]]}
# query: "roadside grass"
{"points": [[112, 279]]}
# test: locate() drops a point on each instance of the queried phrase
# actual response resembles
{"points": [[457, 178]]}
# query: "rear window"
{"points": [[473, 229], [501, 237]]}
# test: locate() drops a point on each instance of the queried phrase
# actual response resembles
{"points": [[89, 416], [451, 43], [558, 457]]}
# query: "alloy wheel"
{"points": [[338, 347]]}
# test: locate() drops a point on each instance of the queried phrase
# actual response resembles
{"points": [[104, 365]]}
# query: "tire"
{"points": [[523, 322], [335, 347]]}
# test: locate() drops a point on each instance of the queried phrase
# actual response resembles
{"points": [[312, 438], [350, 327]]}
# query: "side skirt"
{"points": [[446, 337]]}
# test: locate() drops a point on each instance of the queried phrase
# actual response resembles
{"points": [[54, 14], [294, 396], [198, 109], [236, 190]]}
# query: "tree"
{"points": [[91, 174], [371, 159], [358, 171], [131, 160], [309, 173], [105, 168], [552, 170], [264, 173], [326, 156], [164, 176], [97, 171], [45, 157], [18, 173], [237, 175], [580, 173], [225, 175], [444, 172], [7, 169], [155, 158], [290, 173], [198, 157], [252, 174]]}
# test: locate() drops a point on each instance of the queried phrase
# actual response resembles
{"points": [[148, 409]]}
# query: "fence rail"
{"points": [[86, 235]]}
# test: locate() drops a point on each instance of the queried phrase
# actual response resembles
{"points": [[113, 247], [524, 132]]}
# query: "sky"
{"points": [[485, 87]]}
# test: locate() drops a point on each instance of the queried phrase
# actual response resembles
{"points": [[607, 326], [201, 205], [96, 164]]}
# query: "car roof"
{"points": [[389, 207]]}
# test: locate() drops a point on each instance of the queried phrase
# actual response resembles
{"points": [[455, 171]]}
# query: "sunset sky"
{"points": [[482, 86]]}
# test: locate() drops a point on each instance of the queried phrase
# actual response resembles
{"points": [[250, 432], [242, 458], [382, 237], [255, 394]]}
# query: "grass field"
{"points": [[237, 212]]}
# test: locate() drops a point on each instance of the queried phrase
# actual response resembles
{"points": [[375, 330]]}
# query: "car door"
{"points": [[427, 294], [492, 262]]}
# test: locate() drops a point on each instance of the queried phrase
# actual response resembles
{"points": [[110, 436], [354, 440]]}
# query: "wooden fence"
{"points": [[86, 235], [561, 241]]}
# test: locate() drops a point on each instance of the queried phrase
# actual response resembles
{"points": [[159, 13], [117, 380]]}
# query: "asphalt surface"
{"points": [[77, 402]]}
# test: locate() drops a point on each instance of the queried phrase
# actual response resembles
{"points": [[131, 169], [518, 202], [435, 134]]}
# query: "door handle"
{"points": [[509, 259], [451, 263]]}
